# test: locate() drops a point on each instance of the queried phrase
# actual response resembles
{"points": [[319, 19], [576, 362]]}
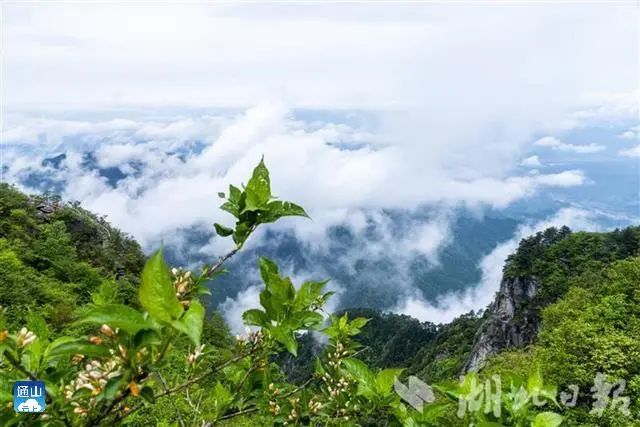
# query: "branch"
{"points": [[186, 384], [255, 408], [122, 396], [206, 374], [218, 264], [362, 350]]}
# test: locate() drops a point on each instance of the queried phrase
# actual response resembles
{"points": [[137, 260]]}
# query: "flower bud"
{"points": [[133, 387], [123, 351], [106, 330]]}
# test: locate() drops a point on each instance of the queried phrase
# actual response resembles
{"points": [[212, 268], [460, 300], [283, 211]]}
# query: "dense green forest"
{"points": [[122, 339]]}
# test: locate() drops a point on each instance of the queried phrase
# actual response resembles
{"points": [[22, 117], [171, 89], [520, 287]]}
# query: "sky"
{"points": [[358, 108]]}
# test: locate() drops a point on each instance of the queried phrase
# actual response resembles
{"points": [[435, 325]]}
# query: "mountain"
{"points": [[539, 274], [367, 278], [53, 256], [568, 305]]}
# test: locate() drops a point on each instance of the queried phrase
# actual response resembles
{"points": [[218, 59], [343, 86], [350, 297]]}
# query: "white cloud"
{"points": [[477, 297], [119, 154], [628, 135], [531, 162], [570, 178], [369, 56], [168, 192], [232, 308], [631, 152], [435, 106], [556, 144]]}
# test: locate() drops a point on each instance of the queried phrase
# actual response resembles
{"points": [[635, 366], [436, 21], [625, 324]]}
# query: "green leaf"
{"points": [[359, 322], [106, 294], [267, 268], [146, 337], [385, 380], [308, 293], [241, 233], [286, 338], [278, 209], [221, 194], [234, 194], [258, 188], [191, 323], [231, 207], [549, 392], [266, 301], [111, 388], [147, 394], [117, 316], [306, 320], [282, 289], [361, 373], [255, 317], [222, 398], [222, 230], [547, 419], [203, 290], [157, 294], [37, 325], [534, 382], [66, 346]]}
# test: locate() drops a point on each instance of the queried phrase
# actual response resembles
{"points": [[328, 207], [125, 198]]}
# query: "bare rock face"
{"points": [[512, 321]]}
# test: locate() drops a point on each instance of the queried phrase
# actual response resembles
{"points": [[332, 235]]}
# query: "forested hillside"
{"points": [[55, 256], [113, 334]]}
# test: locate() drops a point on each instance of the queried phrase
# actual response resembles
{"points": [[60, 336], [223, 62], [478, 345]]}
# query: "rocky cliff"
{"points": [[512, 320]]}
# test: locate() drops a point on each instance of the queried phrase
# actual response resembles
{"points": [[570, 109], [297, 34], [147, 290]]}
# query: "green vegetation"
{"points": [[54, 257], [590, 308], [123, 340]]}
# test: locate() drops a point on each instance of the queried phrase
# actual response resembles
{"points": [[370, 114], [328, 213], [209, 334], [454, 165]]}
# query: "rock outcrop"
{"points": [[512, 320]]}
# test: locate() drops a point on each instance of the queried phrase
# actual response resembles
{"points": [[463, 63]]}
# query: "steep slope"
{"points": [[54, 255], [542, 271]]}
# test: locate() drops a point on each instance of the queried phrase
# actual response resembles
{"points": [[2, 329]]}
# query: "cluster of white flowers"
{"points": [[314, 406], [193, 357], [338, 387], [182, 281], [251, 337], [293, 415], [274, 408], [25, 337], [93, 377]]}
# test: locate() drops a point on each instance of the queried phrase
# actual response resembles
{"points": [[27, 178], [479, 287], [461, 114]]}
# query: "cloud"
{"points": [[372, 56], [631, 152], [556, 144], [167, 192], [392, 109], [232, 308], [477, 297], [531, 162], [628, 135]]}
